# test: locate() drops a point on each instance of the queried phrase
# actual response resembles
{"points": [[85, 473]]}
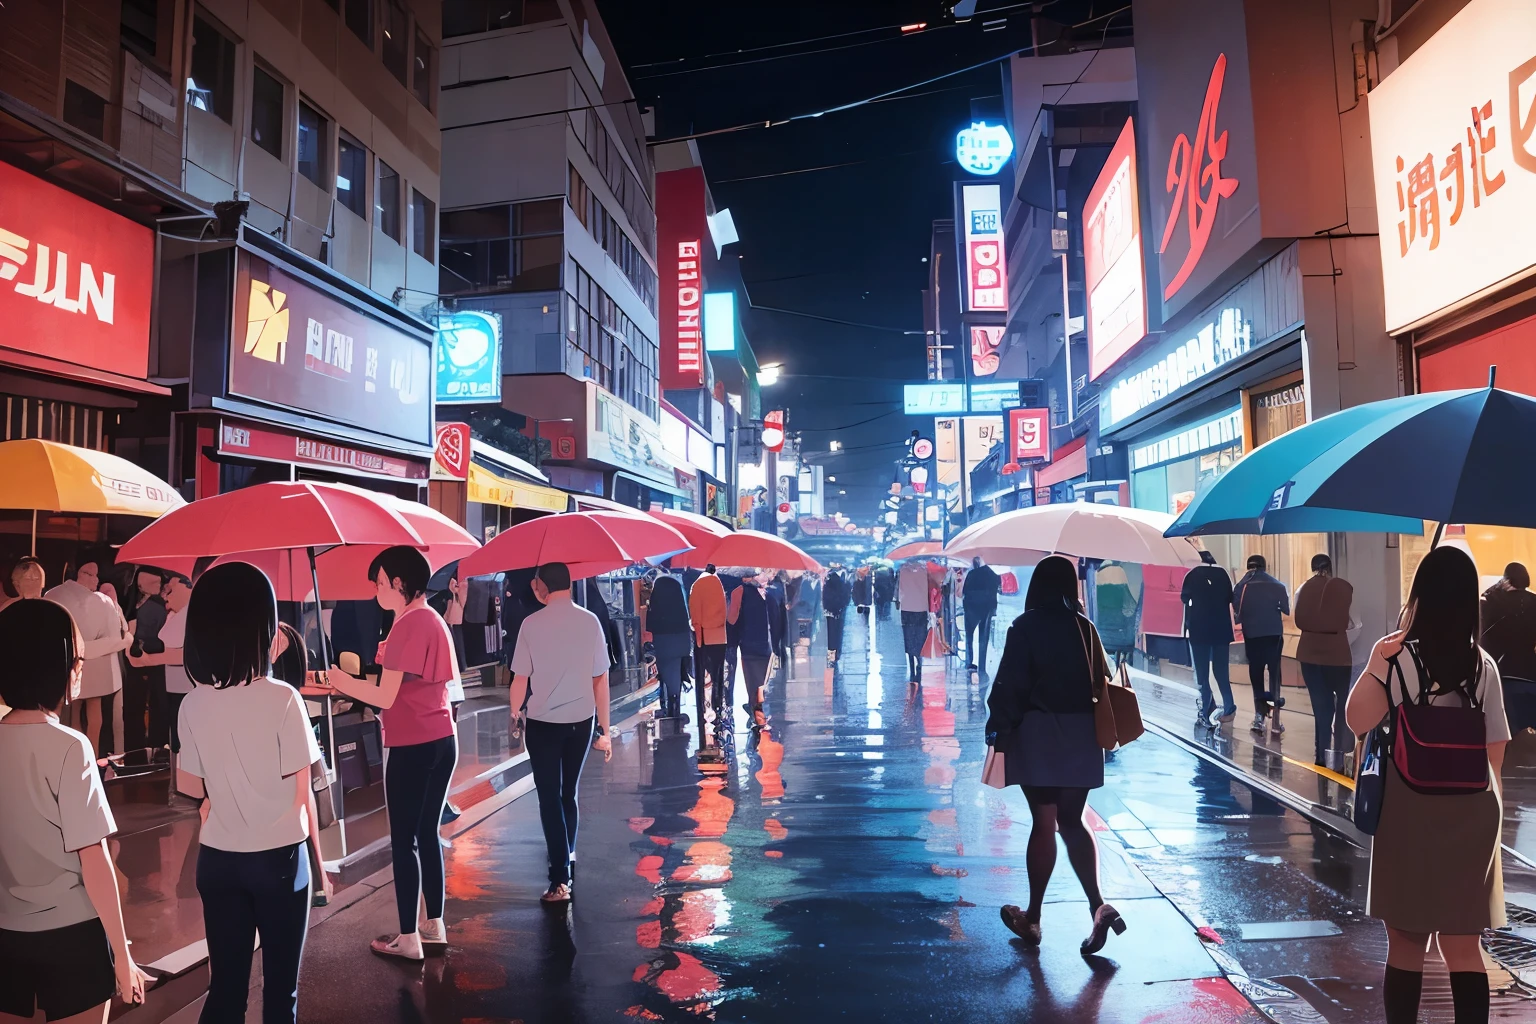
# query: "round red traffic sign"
{"points": [[784, 507], [922, 448]]}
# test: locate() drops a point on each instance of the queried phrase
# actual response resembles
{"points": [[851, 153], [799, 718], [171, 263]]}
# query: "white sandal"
{"points": [[557, 894], [393, 948]]}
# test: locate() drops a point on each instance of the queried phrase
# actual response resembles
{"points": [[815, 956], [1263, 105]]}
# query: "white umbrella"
{"points": [[1081, 530]]}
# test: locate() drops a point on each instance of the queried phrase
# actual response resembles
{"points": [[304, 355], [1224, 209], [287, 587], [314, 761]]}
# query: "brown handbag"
{"points": [[1127, 707], [1116, 711]]}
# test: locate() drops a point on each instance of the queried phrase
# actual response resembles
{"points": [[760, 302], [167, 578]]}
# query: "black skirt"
{"points": [[1050, 749], [914, 630]]}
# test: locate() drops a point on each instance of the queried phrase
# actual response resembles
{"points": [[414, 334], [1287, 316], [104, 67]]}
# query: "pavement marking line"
{"points": [[1271, 931], [1327, 773]]}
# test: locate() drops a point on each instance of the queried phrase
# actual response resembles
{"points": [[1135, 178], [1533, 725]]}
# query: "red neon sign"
{"points": [[1194, 169], [1029, 435]]}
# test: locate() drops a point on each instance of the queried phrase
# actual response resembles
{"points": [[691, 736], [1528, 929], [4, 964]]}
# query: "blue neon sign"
{"points": [[983, 148], [468, 357], [720, 321]]}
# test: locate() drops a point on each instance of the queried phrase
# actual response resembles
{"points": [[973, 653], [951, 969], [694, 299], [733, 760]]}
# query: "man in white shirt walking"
{"points": [[560, 685]]}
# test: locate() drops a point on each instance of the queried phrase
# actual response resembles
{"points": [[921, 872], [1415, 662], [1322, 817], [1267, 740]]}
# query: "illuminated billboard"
{"points": [[1112, 259]]}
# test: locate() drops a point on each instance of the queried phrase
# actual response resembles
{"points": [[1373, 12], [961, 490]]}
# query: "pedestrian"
{"points": [[1436, 869], [1323, 616], [671, 638], [885, 591], [778, 613], [561, 665], [1041, 719], [105, 634], [290, 661], [176, 592], [912, 596], [863, 592], [978, 598], [706, 607], [414, 689], [25, 581], [63, 948], [144, 721], [247, 736], [1260, 602], [1207, 598], [749, 613], [1509, 635], [835, 594], [730, 581]]}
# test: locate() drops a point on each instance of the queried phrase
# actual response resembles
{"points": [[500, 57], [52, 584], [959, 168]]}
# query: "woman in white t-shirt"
{"points": [[247, 736], [63, 949]]}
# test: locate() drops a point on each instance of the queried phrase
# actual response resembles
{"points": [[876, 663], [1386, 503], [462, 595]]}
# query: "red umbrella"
{"points": [[583, 541], [915, 549], [641, 535], [701, 531], [270, 517], [750, 548]]}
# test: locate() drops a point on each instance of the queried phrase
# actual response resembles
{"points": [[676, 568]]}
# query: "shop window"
{"points": [[352, 176], [359, 18], [423, 69], [211, 85], [423, 226], [268, 103], [397, 40], [84, 110], [387, 200], [314, 140]]}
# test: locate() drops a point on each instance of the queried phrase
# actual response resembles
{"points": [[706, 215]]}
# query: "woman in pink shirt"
{"points": [[418, 665]]}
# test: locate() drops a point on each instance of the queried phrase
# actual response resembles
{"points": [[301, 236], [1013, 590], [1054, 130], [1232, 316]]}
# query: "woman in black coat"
{"points": [[1041, 720], [672, 639]]}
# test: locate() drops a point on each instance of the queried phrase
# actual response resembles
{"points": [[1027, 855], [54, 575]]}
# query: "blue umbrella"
{"points": [[1449, 457]]}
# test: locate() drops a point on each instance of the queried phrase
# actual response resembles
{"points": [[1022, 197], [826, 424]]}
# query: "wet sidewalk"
{"points": [[847, 863]]}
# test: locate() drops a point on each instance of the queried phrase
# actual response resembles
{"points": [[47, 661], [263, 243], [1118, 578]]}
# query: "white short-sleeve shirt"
{"points": [[245, 742], [1489, 690], [52, 805], [561, 649], [174, 635]]}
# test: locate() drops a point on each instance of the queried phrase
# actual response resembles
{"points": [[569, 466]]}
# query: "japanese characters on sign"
{"points": [[681, 228], [75, 279], [355, 369], [1226, 336], [986, 279], [1196, 180], [1029, 436], [254, 442], [1453, 143], [1116, 278]]}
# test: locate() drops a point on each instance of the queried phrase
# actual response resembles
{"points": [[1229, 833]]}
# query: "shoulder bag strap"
{"points": [[1092, 653]]}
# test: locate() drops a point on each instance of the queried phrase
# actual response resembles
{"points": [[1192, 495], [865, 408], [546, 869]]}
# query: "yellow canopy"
{"points": [[46, 476], [487, 487]]}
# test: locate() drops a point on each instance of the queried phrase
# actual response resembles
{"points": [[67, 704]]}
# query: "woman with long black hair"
{"points": [[1436, 871], [1041, 720]]}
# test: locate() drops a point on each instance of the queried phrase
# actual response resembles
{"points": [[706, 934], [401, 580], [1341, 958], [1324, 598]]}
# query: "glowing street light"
{"points": [[836, 446], [768, 375]]}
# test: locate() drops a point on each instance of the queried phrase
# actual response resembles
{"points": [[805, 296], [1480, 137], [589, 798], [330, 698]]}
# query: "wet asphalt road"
{"points": [[847, 864]]}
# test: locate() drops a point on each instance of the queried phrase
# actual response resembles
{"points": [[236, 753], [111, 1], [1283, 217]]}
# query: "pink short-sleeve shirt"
{"points": [[420, 647]]}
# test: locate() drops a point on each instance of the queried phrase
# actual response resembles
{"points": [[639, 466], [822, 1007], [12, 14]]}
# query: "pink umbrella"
{"points": [[701, 531], [750, 548], [587, 542], [641, 533]]}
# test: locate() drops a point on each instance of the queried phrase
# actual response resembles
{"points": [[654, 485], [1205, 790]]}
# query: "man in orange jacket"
{"points": [[706, 605]]}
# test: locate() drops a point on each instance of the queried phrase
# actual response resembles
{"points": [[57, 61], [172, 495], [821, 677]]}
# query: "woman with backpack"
{"points": [[1435, 861]]}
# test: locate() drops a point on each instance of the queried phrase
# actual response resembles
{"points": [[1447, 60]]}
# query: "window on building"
{"points": [[607, 232], [85, 110], [462, 17], [423, 69], [508, 247], [397, 40], [423, 226], [145, 29], [267, 106], [211, 85], [352, 175], [314, 140], [614, 352], [387, 200], [359, 17]]}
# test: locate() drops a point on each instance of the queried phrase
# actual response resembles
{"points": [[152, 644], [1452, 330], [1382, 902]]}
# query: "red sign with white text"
{"points": [[75, 279], [680, 232], [1117, 293], [1029, 435], [986, 285], [450, 453], [1196, 180], [255, 442]]}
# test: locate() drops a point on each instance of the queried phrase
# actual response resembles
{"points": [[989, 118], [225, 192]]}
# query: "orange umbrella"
{"points": [[751, 548]]}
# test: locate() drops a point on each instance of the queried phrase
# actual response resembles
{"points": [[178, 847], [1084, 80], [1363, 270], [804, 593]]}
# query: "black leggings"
{"points": [[557, 751], [416, 779], [1060, 809]]}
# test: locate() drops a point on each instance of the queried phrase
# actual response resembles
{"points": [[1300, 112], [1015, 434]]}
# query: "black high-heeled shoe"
{"points": [[1104, 919], [1020, 924]]}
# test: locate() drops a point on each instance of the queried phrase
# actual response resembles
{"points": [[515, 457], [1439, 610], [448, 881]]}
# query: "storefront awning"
{"points": [[1068, 464], [487, 487]]}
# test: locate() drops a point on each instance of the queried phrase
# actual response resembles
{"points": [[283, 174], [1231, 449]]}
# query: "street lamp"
{"points": [[768, 375], [836, 446], [831, 479]]}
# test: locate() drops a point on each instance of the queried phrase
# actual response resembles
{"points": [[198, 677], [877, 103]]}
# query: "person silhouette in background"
{"points": [[1509, 636], [1261, 602], [1322, 615], [979, 598], [1207, 598]]}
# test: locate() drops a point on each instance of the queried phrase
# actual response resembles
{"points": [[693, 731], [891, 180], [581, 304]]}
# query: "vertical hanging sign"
{"points": [[680, 230], [986, 277]]}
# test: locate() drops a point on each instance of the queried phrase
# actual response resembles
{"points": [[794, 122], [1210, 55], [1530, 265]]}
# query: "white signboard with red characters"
{"points": [[450, 452], [986, 279], [1029, 436], [1453, 143]]}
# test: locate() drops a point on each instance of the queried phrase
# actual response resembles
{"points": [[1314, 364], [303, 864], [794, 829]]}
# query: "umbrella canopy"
{"points": [[701, 531], [586, 542], [1081, 530], [46, 476], [750, 548], [915, 549], [640, 534], [1239, 500], [271, 517]]}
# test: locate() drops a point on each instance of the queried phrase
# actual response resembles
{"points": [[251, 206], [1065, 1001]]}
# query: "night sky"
{"points": [[834, 212]]}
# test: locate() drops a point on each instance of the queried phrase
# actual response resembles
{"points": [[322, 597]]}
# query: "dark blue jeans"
{"points": [[1264, 652], [1209, 658], [416, 779], [557, 751], [671, 649], [245, 895]]}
